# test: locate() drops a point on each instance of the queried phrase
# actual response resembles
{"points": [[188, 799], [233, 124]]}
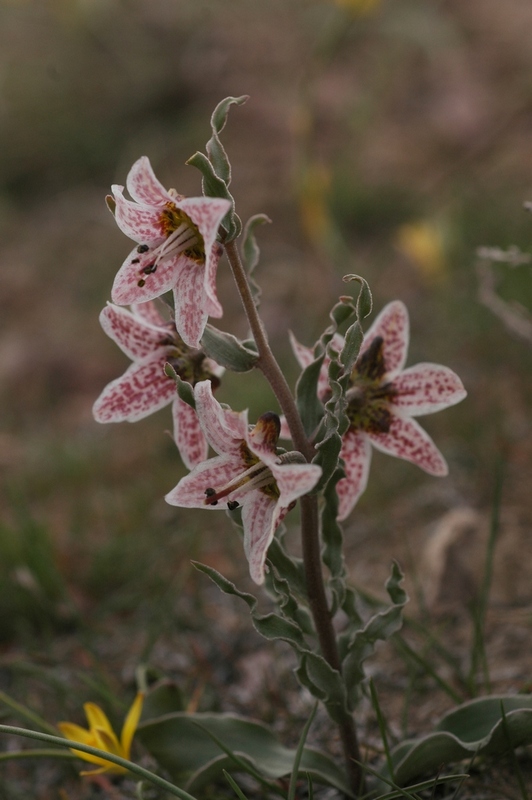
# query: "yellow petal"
{"points": [[96, 717], [76, 733], [131, 722], [108, 742]]}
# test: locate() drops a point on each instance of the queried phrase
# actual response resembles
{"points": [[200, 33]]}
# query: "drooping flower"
{"points": [[383, 398], [176, 249], [100, 734], [247, 471], [151, 343]]}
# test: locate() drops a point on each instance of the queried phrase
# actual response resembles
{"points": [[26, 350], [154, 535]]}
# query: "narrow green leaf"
{"points": [[380, 627], [308, 404], [353, 341], [299, 753], [227, 350], [251, 253], [183, 388], [225, 585], [364, 302], [215, 149], [214, 186], [234, 785]]}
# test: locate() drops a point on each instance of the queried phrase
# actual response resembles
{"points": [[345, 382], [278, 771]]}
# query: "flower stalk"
{"points": [[310, 535]]}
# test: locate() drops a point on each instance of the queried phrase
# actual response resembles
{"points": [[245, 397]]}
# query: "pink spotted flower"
{"points": [[383, 398], [150, 342], [176, 249], [247, 472]]}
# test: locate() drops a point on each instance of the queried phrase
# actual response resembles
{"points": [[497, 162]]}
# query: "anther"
{"points": [[135, 260], [143, 248], [149, 269], [210, 492], [232, 505], [141, 283]]}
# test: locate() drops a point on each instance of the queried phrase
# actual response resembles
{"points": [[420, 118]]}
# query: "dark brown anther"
{"points": [[232, 505], [135, 260], [149, 269], [143, 248], [210, 492], [141, 283]]}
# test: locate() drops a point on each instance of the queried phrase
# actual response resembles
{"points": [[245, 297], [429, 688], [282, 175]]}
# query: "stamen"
{"points": [[255, 477], [143, 248]]}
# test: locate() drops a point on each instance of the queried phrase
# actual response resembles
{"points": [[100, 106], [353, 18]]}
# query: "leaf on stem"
{"points": [[228, 351]]}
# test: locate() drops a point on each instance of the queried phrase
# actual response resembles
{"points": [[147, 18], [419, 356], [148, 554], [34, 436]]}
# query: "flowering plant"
{"points": [[354, 393]]}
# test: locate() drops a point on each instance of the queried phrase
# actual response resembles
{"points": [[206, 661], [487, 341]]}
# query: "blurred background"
{"points": [[391, 139]]}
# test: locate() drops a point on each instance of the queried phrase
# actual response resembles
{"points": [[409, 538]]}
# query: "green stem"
{"points": [[94, 751], [310, 535]]}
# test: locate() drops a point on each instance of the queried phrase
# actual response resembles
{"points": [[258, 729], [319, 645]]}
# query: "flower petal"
{"points": [[304, 355], [149, 313], [356, 453], [392, 324], [407, 439], [143, 186], [143, 389], [130, 724], [141, 223], [207, 213], [295, 480], [190, 302], [216, 472], [132, 334], [77, 734], [188, 435], [126, 289], [426, 388], [97, 718], [258, 519], [225, 429]]}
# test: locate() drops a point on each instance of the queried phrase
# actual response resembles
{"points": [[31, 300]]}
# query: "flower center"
{"points": [[189, 363], [255, 473], [181, 236], [369, 397]]}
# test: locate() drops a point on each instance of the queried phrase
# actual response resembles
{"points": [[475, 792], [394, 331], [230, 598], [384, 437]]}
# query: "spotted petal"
{"points": [[141, 390], [190, 301], [426, 388], [207, 213], [133, 335], [356, 453], [188, 434], [392, 324], [260, 516], [215, 472], [141, 223], [225, 429], [144, 187], [407, 439], [294, 480], [149, 313], [126, 289]]}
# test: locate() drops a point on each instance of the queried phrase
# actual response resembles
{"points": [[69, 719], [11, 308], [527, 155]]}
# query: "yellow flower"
{"points": [[101, 735], [423, 243]]}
